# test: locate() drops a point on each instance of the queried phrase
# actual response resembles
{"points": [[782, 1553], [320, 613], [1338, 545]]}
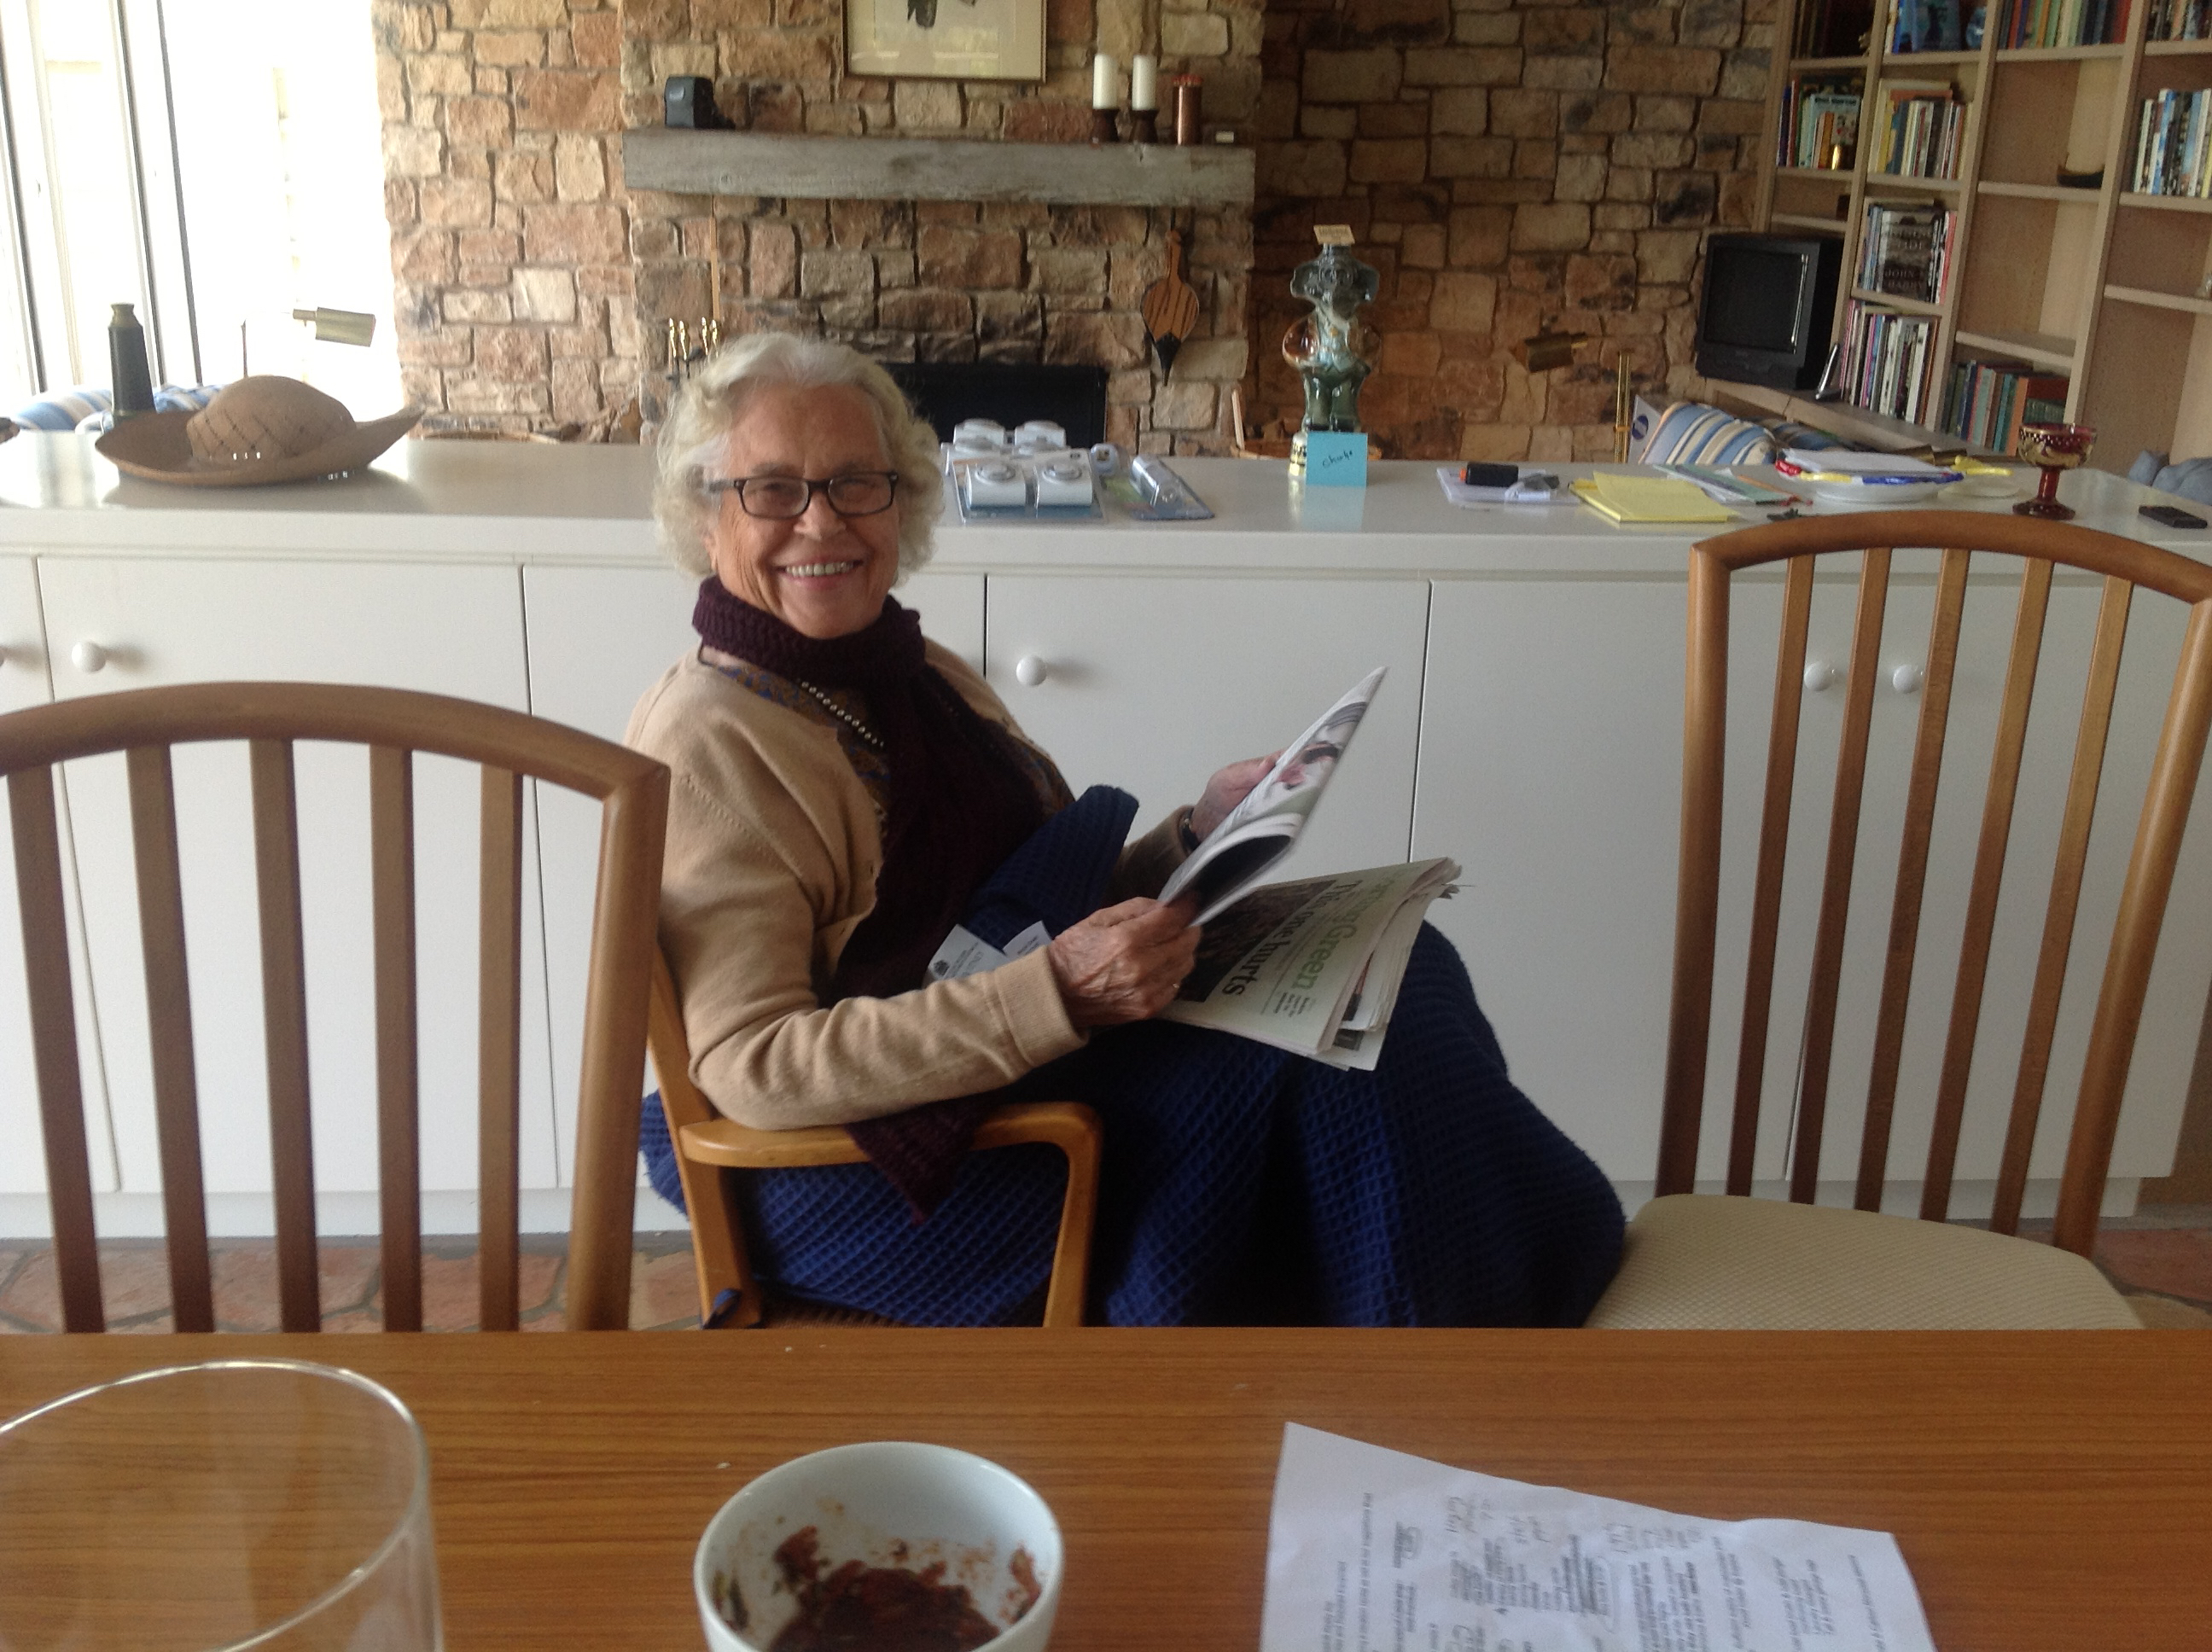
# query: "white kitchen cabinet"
{"points": [[1153, 682], [454, 629], [1551, 759], [600, 637]]}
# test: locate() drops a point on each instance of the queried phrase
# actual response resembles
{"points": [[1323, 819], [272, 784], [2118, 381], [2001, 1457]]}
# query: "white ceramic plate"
{"points": [[2005, 485], [1872, 494]]}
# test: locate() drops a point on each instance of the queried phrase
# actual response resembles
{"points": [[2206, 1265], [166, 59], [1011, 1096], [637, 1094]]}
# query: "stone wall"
{"points": [[1505, 166], [936, 280], [510, 250]]}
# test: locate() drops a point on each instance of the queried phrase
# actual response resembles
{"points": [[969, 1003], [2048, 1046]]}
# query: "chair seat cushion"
{"points": [[1697, 1261]]}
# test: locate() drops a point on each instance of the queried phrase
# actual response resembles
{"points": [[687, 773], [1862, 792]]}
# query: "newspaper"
{"points": [[1313, 965], [1370, 1549], [1259, 830]]}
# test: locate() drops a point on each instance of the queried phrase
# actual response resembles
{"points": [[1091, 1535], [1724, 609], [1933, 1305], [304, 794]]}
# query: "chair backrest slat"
{"points": [[1911, 879], [2174, 770], [2057, 945], [398, 1147], [1836, 879], [169, 1032], [284, 1024], [1773, 856], [53, 1044], [2003, 792], [499, 1049]]}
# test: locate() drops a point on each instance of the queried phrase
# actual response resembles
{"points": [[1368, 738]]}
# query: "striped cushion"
{"points": [[65, 410], [1690, 433]]}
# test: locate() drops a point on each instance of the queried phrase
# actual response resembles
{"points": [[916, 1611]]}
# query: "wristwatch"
{"points": [[1189, 838]]}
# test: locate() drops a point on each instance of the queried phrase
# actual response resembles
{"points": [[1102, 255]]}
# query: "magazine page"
{"points": [[1259, 830], [1282, 964], [1369, 1548]]}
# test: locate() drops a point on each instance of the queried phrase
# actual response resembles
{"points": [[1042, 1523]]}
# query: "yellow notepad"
{"points": [[1648, 499]]}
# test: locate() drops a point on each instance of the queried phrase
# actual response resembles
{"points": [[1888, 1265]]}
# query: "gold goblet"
{"points": [[2054, 448]]}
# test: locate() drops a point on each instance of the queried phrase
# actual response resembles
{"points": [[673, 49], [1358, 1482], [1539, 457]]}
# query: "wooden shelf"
{"points": [[1907, 59], [1875, 432], [1796, 221], [2056, 192], [2176, 48], [2043, 349], [1824, 65], [935, 169], [2059, 53], [1831, 174], [2169, 202], [1897, 301], [2158, 301], [1912, 180]]}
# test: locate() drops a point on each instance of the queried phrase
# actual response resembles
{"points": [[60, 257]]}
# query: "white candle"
{"points": [[1105, 82], [1144, 82]]}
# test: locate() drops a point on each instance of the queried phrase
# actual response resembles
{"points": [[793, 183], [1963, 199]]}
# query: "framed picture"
{"points": [[947, 39]]}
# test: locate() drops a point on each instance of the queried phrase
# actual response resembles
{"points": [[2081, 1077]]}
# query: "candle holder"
{"points": [[1144, 125], [2053, 449], [1101, 126]]}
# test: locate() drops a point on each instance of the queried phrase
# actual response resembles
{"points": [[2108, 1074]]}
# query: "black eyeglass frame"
{"points": [[813, 485]]}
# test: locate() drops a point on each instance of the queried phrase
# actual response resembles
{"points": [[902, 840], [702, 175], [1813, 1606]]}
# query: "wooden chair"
{"points": [[709, 1147], [1730, 1261], [394, 725]]}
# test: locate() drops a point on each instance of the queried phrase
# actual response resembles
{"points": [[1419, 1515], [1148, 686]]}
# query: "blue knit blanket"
{"points": [[1242, 1184]]}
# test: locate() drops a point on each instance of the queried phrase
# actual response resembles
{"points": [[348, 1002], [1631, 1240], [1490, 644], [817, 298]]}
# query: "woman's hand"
{"points": [[1124, 963], [1228, 787]]}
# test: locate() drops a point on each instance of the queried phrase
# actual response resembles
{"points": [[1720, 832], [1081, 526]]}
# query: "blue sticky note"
{"points": [[1336, 458]]}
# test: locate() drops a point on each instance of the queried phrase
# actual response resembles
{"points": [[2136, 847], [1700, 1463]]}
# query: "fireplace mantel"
{"points": [[790, 166]]}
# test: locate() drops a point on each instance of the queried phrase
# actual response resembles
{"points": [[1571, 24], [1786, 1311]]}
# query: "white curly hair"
{"points": [[712, 401]]}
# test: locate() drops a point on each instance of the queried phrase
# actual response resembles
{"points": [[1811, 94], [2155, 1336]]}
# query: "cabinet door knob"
{"points": [[88, 656], [1820, 677], [1030, 671], [1907, 679]]}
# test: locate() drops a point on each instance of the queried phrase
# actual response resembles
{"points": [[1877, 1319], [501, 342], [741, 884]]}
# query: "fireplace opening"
{"points": [[1009, 392]]}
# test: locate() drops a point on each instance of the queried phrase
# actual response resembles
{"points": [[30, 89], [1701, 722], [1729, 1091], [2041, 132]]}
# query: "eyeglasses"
{"points": [[786, 498]]}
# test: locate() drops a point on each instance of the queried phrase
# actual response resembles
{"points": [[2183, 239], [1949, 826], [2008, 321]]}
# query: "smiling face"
{"points": [[822, 574]]}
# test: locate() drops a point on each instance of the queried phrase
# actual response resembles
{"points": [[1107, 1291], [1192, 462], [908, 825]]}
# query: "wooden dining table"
{"points": [[2047, 1489]]}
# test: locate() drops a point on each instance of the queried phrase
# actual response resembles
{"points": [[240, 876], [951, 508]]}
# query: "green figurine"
{"points": [[1332, 349]]}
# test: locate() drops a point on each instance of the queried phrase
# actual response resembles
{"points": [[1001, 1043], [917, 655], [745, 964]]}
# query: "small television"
{"points": [[1767, 309]]}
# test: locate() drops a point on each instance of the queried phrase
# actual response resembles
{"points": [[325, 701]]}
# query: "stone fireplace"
{"points": [[993, 270]]}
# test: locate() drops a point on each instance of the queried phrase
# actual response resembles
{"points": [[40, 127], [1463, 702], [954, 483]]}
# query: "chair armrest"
{"points": [[725, 1142]]}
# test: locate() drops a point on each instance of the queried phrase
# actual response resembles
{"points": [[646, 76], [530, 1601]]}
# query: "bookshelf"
{"points": [[2093, 279]]}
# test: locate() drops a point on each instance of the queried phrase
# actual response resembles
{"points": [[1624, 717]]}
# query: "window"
{"points": [[215, 163]]}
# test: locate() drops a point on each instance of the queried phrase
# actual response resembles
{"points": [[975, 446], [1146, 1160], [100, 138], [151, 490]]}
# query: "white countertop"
{"points": [[515, 503]]}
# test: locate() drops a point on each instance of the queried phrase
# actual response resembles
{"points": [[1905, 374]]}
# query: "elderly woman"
{"points": [[843, 787]]}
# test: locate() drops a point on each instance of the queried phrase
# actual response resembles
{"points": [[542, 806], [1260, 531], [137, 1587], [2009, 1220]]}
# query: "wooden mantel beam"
{"points": [[779, 165]]}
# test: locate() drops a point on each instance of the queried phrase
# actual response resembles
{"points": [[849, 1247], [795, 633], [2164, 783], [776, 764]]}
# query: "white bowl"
{"points": [[889, 1504]]}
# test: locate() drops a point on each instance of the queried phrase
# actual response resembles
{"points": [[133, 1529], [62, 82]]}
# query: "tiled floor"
{"points": [[2162, 1258], [135, 1281]]}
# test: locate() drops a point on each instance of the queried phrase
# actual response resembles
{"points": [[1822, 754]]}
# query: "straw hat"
{"points": [[262, 428]]}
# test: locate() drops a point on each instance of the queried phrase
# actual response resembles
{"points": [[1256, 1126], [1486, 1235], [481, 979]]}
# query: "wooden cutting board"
{"points": [[1169, 307]]}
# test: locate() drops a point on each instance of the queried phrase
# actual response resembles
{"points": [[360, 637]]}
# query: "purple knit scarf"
{"points": [[958, 804]]}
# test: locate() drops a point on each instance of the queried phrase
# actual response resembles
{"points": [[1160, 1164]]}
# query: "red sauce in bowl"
{"points": [[862, 1608]]}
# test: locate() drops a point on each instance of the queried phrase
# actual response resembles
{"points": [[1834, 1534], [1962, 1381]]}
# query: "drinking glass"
{"points": [[248, 1503]]}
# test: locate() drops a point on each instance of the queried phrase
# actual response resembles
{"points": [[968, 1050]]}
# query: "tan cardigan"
{"points": [[774, 846]]}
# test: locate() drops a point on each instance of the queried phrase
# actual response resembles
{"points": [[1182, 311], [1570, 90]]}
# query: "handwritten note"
{"points": [[1336, 458]]}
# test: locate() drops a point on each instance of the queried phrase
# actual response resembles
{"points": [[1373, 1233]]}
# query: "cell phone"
{"points": [[1480, 475], [2169, 516]]}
